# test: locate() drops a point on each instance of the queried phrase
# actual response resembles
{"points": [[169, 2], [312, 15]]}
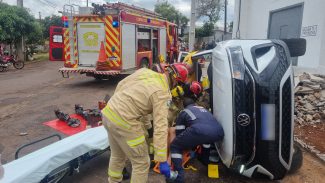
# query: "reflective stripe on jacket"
{"points": [[199, 118]]}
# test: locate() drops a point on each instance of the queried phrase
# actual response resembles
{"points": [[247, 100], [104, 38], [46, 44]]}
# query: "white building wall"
{"points": [[322, 48], [254, 24]]}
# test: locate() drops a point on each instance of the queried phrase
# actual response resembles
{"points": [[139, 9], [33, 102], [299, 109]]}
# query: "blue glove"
{"points": [[164, 169]]}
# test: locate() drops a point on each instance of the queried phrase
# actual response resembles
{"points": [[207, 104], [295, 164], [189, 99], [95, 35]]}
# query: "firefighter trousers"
{"points": [[187, 140], [121, 150]]}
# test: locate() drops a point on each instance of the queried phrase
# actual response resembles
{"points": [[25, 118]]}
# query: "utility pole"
{"points": [[20, 3], [192, 26], [225, 25], [39, 16], [21, 44]]}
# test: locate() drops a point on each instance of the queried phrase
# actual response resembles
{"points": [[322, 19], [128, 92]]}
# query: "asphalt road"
{"points": [[28, 98]]}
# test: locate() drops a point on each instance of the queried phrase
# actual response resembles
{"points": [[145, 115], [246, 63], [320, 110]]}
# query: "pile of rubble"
{"points": [[310, 99]]}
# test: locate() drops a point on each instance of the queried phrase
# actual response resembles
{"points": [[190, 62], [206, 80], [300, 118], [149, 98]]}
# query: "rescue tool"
{"points": [[92, 116], [73, 122]]}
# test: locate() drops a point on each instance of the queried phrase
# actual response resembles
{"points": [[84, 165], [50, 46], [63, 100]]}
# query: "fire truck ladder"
{"points": [[69, 10], [133, 9]]}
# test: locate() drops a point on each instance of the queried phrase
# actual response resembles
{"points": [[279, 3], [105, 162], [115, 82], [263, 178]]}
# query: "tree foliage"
{"points": [[171, 14], [210, 9], [206, 30], [16, 22], [49, 21], [36, 37]]}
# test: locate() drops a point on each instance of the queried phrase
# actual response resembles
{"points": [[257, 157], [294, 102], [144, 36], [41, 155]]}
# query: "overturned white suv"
{"points": [[252, 97]]}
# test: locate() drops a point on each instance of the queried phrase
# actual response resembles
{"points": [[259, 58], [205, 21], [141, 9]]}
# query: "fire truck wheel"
{"points": [[144, 63], [98, 77]]}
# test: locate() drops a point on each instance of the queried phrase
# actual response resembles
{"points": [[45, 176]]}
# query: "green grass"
{"points": [[41, 57]]}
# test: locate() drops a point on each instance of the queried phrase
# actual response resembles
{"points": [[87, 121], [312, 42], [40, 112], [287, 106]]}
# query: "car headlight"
{"points": [[241, 169], [237, 62]]}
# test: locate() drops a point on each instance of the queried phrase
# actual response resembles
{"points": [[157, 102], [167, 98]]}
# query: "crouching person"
{"points": [[194, 126]]}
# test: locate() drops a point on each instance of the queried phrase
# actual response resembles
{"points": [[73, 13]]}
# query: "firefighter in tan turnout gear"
{"points": [[142, 93]]}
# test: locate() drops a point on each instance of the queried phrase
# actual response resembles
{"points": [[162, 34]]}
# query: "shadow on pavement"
{"points": [[91, 82], [94, 170]]}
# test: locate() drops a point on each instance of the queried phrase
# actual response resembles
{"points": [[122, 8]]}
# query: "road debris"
{"points": [[23, 134], [310, 99]]}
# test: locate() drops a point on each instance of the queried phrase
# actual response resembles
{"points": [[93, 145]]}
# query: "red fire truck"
{"points": [[133, 38]]}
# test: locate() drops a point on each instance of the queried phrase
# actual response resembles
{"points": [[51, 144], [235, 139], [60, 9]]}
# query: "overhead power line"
{"points": [[50, 3], [47, 3]]}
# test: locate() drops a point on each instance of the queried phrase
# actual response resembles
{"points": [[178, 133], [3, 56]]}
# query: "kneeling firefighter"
{"points": [[194, 126], [142, 93]]}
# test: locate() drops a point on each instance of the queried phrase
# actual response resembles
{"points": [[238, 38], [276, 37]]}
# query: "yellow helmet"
{"points": [[178, 91]]}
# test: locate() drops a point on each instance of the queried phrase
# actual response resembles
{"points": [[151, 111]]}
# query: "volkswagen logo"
{"points": [[243, 119]]}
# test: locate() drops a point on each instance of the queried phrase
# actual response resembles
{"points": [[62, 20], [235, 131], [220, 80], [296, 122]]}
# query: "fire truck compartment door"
{"points": [[89, 37], [128, 46], [56, 44], [163, 42]]}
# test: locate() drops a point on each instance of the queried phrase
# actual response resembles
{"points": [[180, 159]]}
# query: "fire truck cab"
{"points": [[132, 37]]}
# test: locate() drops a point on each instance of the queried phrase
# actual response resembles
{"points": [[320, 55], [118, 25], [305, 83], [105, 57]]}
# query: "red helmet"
{"points": [[196, 87], [179, 72]]}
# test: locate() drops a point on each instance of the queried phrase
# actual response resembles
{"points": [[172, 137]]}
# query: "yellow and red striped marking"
{"points": [[112, 38], [66, 45], [75, 19]]}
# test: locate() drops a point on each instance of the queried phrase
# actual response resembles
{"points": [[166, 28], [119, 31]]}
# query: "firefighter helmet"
{"points": [[178, 71], [196, 87], [178, 91]]}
